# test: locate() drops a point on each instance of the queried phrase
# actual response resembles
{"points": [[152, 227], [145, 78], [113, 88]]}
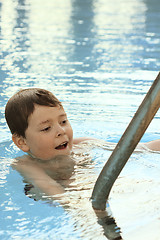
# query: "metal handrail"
{"points": [[126, 145]]}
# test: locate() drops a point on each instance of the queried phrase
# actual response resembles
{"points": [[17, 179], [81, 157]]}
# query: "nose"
{"points": [[60, 131]]}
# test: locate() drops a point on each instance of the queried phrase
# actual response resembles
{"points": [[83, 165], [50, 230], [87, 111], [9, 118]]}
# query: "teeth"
{"points": [[61, 145]]}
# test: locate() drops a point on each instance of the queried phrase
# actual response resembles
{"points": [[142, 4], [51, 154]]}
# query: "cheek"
{"points": [[37, 143], [70, 133], [42, 142], [41, 148]]}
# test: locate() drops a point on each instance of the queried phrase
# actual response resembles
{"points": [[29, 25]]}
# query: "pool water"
{"points": [[99, 57]]}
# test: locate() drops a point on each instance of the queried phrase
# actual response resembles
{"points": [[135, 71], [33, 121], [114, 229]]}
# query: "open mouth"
{"points": [[62, 146]]}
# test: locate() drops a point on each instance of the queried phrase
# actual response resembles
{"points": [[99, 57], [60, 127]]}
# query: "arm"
{"points": [[82, 139], [37, 176], [152, 145], [96, 143], [148, 146]]}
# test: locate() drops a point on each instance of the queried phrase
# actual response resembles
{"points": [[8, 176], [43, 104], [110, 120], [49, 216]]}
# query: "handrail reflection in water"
{"points": [[107, 221]]}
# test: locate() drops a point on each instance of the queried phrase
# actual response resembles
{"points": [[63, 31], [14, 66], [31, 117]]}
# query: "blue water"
{"points": [[99, 57]]}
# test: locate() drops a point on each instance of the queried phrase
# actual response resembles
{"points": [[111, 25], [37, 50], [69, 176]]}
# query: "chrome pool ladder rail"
{"points": [[126, 145]]}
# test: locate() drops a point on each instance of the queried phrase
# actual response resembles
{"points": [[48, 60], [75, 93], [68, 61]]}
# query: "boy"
{"points": [[40, 127]]}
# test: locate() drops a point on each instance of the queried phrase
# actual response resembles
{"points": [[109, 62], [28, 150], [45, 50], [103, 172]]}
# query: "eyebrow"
{"points": [[44, 122], [48, 120]]}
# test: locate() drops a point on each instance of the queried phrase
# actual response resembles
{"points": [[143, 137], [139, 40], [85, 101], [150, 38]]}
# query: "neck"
{"points": [[35, 158], [59, 157]]}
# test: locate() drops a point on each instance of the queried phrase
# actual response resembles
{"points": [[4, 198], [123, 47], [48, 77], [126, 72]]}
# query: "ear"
{"points": [[20, 142]]}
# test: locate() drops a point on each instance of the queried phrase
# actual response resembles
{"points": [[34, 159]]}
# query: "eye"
{"points": [[64, 122], [46, 129]]}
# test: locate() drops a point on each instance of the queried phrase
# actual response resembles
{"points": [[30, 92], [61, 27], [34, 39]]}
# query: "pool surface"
{"points": [[99, 57]]}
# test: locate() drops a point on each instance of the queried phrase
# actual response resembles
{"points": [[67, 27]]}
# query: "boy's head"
{"points": [[39, 124], [22, 104]]}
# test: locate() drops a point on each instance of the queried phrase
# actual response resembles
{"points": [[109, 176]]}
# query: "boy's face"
{"points": [[49, 133]]}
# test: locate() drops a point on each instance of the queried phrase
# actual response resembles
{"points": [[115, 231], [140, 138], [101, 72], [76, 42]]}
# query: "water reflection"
{"points": [[21, 41], [84, 35], [117, 25], [49, 36], [106, 220], [31, 34], [150, 55], [13, 44]]}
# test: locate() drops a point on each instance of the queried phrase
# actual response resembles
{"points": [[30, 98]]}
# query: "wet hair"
{"points": [[22, 104]]}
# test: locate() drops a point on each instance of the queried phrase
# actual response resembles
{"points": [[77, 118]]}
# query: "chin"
{"points": [[68, 153]]}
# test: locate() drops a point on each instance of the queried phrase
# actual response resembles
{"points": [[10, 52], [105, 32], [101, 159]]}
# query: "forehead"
{"points": [[45, 113]]}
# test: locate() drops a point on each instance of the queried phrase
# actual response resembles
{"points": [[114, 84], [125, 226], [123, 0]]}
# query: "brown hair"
{"points": [[21, 105]]}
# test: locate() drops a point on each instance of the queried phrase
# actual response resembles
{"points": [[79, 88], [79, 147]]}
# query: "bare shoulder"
{"points": [[21, 161], [26, 166], [36, 175]]}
